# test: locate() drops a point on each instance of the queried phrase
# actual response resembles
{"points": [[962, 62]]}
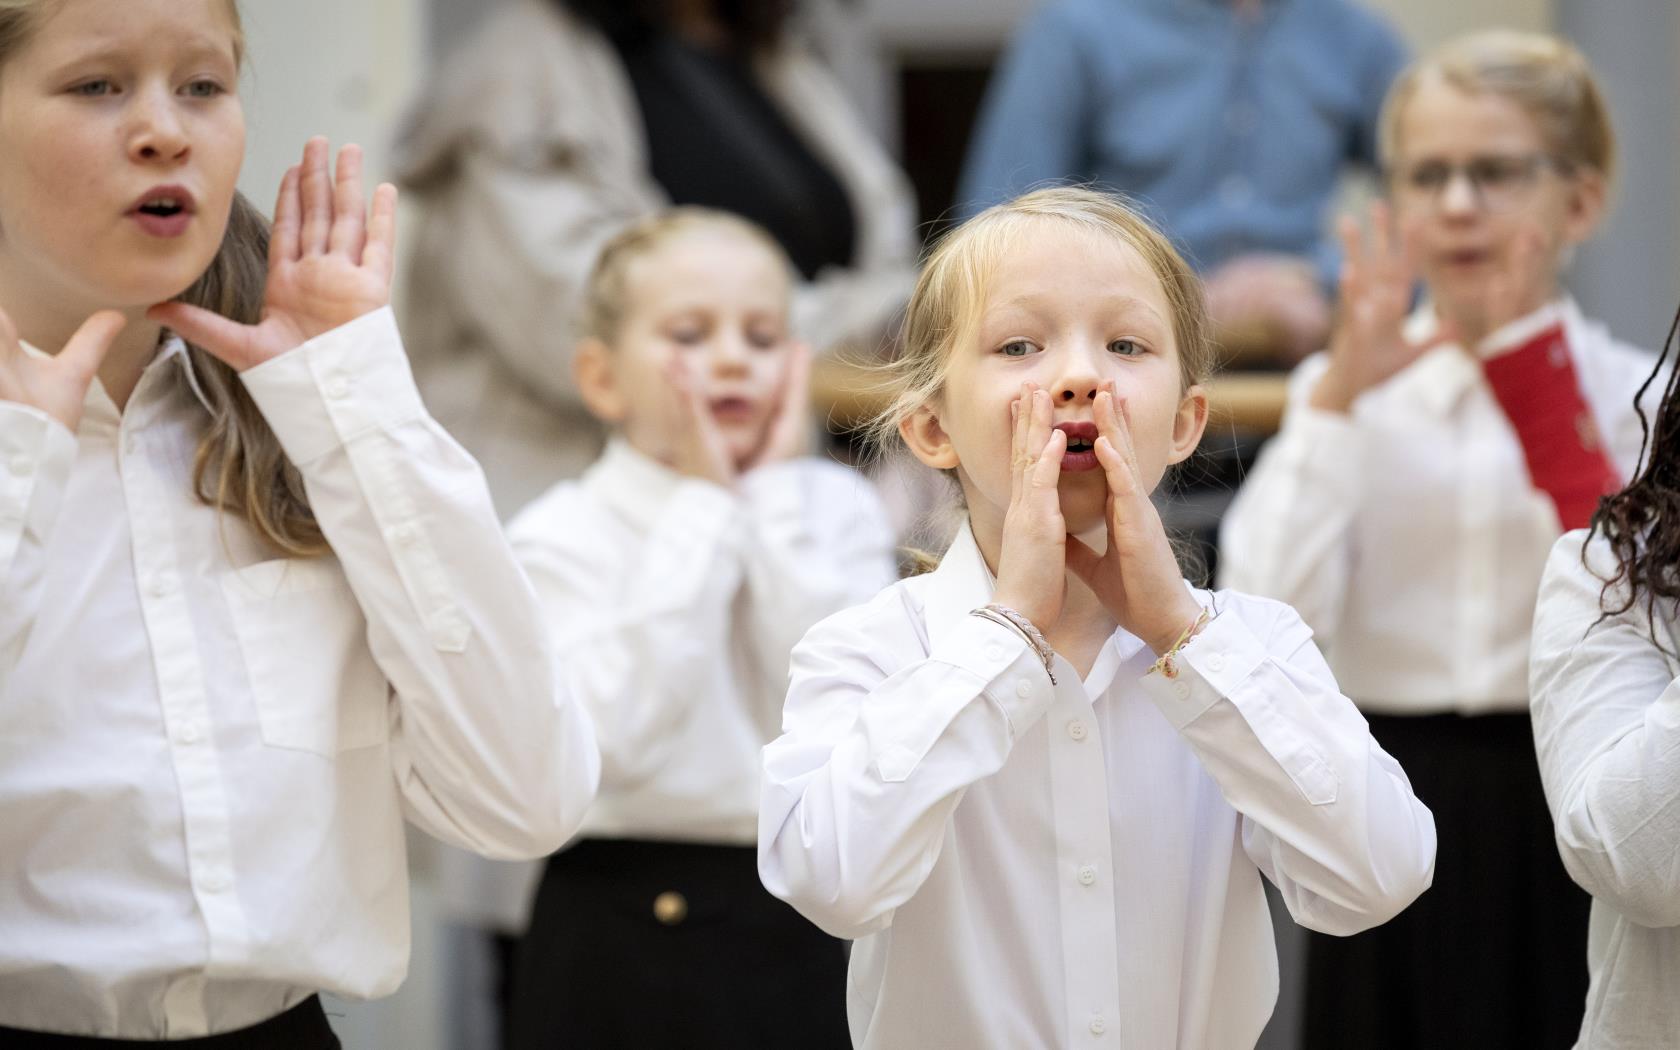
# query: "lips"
{"points": [[733, 409], [1081, 452], [164, 211]]}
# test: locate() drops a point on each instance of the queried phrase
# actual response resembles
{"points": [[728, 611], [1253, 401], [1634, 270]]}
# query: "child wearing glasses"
{"points": [[1427, 463]]}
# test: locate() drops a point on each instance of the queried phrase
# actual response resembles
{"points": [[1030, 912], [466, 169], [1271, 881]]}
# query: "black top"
{"points": [[716, 139]]}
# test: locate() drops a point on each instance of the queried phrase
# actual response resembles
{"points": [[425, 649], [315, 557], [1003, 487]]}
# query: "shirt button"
{"points": [[157, 586], [338, 388], [1182, 690], [1216, 662], [131, 444], [19, 465], [1023, 689], [670, 908], [188, 733], [1076, 730], [1098, 1026], [216, 882], [404, 534], [994, 652], [1087, 875]]}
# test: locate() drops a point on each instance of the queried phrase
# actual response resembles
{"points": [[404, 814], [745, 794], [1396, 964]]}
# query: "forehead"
{"points": [[1051, 266], [72, 29], [1443, 118], [708, 267]]}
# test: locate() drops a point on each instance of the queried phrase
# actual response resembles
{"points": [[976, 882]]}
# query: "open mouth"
{"points": [[1081, 446], [165, 211], [732, 409]]}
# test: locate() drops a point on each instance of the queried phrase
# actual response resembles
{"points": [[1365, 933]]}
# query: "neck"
{"points": [[47, 322], [1085, 624], [1473, 323]]}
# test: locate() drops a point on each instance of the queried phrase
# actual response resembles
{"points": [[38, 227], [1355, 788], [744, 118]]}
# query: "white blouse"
{"points": [[1607, 728], [675, 603], [1077, 865], [1408, 533], [206, 752]]}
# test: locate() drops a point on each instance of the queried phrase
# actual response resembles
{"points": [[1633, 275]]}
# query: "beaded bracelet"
{"points": [[1008, 617], [1168, 663]]}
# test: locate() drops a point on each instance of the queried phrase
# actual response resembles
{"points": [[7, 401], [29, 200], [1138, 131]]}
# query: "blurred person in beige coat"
{"points": [[532, 148]]}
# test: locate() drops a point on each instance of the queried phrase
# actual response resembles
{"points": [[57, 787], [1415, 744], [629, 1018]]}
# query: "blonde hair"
{"points": [[239, 467], [1548, 78], [606, 295], [950, 292]]}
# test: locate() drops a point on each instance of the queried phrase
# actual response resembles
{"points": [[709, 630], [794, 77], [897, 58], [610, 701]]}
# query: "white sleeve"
{"points": [[819, 542], [488, 749], [1288, 533], [636, 634], [36, 455], [1328, 816], [859, 790], [1606, 709]]}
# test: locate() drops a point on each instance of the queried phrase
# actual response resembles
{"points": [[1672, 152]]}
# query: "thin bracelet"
{"points": [[1008, 617], [1168, 663]]}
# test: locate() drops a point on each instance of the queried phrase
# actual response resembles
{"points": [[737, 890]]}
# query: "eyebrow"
{"points": [[192, 49], [1029, 304]]}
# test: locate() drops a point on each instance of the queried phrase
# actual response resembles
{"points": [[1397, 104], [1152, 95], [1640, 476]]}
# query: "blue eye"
{"points": [[205, 89], [1017, 348], [1125, 347], [93, 88]]}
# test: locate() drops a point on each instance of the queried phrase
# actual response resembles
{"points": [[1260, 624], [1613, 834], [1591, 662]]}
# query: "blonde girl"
{"points": [[675, 577], [1425, 467], [1041, 785], [257, 608]]}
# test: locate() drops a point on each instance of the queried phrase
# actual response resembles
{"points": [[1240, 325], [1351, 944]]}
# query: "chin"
{"points": [[1084, 512]]}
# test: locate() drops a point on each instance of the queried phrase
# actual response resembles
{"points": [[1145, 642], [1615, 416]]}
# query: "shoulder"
{"points": [[539, 522], [876, 638], [1265, 617]]}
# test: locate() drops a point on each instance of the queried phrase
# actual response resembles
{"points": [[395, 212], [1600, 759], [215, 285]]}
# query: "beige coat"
{"points": [[526, 154]]}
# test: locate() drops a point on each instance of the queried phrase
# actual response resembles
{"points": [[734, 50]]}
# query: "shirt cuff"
{"points": [[1211, 667], [36, 454], [351, 381]]}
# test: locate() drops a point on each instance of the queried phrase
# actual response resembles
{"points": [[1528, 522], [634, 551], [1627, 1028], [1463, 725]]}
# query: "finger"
{"points": [[380, 252], [86, 350], [1038, 424], [1047, 472], [9, 342], [796, 381], [349, 214], [228, 341], [1022, 409], [317, 198], [1082, 561], [288, 220], [1129, 447]]}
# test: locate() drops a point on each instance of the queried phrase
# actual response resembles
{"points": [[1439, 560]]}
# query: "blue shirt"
{"points": [[1230, 130]]}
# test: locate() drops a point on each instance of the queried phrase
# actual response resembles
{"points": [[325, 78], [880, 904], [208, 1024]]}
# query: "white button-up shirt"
{"points": [[1073, 865], [675, 603], [1408, 533], [207, 752], [1607, 728]]}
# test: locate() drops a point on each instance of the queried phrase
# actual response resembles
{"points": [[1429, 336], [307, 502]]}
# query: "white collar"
{"points": [[631, 481]]}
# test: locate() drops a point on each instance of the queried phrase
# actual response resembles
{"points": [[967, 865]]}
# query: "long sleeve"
{"points": [[36, 454], [858, 792], [1327, 815], [489, 751], [1033, 122], [819, 542], [1606, 709], [1288, 534], [638, 633]]}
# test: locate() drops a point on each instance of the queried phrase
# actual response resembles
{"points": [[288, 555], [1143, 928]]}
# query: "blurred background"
{"points": [[917, 70]]}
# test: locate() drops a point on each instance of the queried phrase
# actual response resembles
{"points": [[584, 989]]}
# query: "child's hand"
{"points": [[696, 446], [1522, 282], [790, 427], [1032, 564], [329, 262], [1137, 578], [1367, 345], [57, 385]]}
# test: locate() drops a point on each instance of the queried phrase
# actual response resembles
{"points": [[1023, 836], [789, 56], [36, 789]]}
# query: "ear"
{"points": [[927, 439], [597, 382], [1585, 207], [1189, 423]]}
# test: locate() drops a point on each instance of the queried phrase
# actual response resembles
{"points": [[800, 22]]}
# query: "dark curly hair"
{"points": [[753, 25], [1642, 522]]}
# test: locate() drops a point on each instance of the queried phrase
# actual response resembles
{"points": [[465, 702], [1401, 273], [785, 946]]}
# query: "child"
{"points": [[1424, 469], [676, 576], [1606, 681], [257, 605], [1041, 784]]}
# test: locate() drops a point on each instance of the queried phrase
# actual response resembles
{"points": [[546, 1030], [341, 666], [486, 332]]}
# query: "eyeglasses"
{"points": [[1498, 183]]}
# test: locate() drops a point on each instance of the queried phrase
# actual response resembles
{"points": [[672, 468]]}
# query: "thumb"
{"points": [[86, 350], [1082, 561], [228, 340]]}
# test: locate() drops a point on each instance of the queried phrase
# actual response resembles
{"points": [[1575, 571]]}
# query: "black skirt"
{"points": [[303, 1027], [1494, 954], [645, 945]]}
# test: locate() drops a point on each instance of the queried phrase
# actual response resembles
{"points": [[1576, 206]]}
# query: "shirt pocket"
{"points": [[314, 681]]}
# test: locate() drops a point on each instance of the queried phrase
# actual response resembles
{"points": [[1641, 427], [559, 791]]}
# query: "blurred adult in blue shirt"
{"points": [[1230, 121]]}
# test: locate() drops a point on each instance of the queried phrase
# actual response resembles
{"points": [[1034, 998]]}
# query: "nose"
{"points": [[157, 131], [730, 354], [1460, 195], [1079, 381]]}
